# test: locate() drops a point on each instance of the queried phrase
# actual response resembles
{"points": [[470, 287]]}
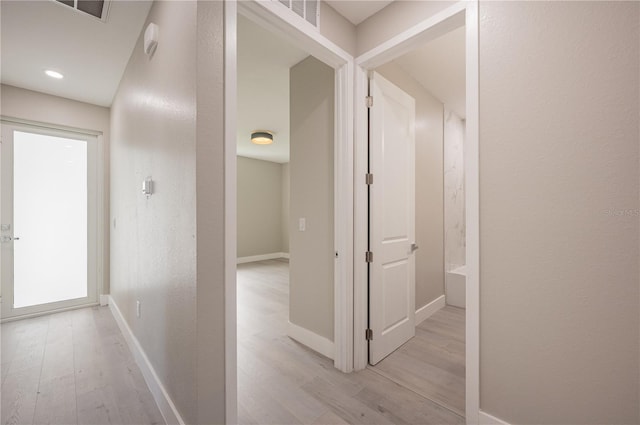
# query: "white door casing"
{"points": [[391, 218]]}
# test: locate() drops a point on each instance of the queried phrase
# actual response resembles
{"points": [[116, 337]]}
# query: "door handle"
{"points": [[414, 247], [7, 239]]}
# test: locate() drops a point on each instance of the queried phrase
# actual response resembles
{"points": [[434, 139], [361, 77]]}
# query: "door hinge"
{"points": [[369, 178], [369, 101], [368, 334], [368, 257]]}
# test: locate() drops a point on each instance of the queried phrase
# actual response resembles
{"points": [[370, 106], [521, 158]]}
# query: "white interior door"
{"points": [[391, 218], [49, 220]]}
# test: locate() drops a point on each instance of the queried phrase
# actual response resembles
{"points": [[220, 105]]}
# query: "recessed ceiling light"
{"points": [[54, 74]]}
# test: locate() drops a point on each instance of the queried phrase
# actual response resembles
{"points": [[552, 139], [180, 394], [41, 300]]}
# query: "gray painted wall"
{"points": [[215, 210], [394, 19], [260, 207], [337, 28], [429, 185], [286, 202], [311, 167], [166, 122], [559, 102]]}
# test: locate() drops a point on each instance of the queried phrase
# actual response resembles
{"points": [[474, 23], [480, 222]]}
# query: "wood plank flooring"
{"points": [[432, 363], [72, 368], [75, 368], [283, 382]]}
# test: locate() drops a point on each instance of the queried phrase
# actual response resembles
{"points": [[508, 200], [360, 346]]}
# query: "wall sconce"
{"points": [[151, 38], [262, 137]]}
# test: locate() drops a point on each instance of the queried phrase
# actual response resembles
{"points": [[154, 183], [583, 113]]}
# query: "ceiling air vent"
{"points": [[96, 8], [309, 10]]}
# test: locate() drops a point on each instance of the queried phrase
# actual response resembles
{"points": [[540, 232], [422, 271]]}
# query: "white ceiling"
{"points": [[91, 54], [357, 11], [439, 66], [264, 61]]}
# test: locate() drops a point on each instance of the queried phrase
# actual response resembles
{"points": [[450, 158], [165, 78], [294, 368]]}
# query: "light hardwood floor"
{"points": [[72, 368], [283, 382], [75, 368], [432, 363]]}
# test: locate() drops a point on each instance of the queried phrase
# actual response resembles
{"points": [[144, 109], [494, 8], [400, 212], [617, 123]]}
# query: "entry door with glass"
{"points": [[48, 219]]}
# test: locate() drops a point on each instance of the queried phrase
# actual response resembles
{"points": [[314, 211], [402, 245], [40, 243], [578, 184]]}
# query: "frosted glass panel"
{"points": [[50, 218]]}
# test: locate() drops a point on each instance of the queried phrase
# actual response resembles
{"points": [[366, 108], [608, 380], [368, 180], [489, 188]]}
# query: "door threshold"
{"points": [[45, 313]]}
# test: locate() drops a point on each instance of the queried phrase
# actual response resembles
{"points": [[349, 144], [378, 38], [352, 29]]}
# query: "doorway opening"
{"points": [[424, 335], [50, 193], [416, 289], [285, 218]]}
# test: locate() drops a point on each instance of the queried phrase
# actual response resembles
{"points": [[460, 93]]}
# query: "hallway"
{"points": [[72, 368], [283, 382]]}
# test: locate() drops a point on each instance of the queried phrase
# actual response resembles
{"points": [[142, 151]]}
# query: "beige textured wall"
{"points": [[559, 199], [212, 222], [48, 109], [286, 202], [394, 19], [337, 28], [429, 185], [311, 167], [260, 205], [153, 127]]}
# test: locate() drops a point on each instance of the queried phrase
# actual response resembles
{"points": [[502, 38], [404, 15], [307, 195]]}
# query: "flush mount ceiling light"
{"points": [[262, 137], [54, 74]]}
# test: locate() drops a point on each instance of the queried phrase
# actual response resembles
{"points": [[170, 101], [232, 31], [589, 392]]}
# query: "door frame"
{"points": [[461, 13], [96, 243], [278, 19]]}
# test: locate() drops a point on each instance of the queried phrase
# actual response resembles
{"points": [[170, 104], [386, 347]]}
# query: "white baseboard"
{"points": [[160, 395], [312, 340], [104, 300], [423, 313], [487, 419], [262, 257]]}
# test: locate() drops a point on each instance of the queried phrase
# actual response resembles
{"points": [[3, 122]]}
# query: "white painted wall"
{"points": [[429, 185], [48, 109], [312, 251]]}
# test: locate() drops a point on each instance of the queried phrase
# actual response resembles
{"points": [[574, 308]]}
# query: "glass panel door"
{"points": [[49, 218], [46, 211]]}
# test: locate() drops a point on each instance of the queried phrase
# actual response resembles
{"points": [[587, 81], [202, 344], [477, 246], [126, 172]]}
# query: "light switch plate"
{"points": [[147, 186]]}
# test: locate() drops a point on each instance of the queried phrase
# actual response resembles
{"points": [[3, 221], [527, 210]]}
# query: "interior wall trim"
{"points": [[312, 340], [263, 257], [487, 419], [426, 311], [160, 395]]}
